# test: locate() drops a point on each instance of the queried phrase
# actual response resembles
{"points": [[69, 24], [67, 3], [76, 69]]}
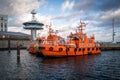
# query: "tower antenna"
{"points": [[113, 35]]}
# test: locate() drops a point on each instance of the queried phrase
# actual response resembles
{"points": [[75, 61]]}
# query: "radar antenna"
{"points": [[81, 25], [33, 12], [50, 29]]}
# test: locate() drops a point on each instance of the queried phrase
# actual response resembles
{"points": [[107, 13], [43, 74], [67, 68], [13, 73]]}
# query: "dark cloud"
{"points": [[5, 7], [101, 11], [97, 5], [106, 5]]}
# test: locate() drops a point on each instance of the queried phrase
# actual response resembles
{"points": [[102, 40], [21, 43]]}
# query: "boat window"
{"points": [[75, 49], [81, 38], [99, 48], [92, 48], [79, 49], [88, 49], [83, 49], [75, 38], [89, 41], [50, 42], [61, 41], [96, 48]]}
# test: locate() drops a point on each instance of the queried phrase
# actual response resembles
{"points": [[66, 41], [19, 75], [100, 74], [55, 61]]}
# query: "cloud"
{"points": [[98, 14], [18, 29], [18, 11], [97, 5], [68, 16], [105, 19], [110, 14], [67, 5], [18, 7]]}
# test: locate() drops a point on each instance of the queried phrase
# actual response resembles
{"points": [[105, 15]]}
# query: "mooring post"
{"points": [[18, 51], [9, 44]]}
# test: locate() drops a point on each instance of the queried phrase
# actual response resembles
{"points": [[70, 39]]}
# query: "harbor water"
{"points": [[90, 67]]}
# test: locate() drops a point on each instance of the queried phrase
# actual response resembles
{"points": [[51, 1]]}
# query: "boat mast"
{"points": [[50, 29], [81, 25]]}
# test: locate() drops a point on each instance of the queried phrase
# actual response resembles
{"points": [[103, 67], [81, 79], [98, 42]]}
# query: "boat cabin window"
{"points": [[96, 48], [100, 48], [90, 41], [75, 38], [88, 49], [83, 49], [82, 39], [50, 42], [79, 49], [62, 41]]}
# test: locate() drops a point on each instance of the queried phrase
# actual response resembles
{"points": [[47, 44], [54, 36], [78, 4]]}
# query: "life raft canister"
{"points": [[51, 49], [60, 49]]}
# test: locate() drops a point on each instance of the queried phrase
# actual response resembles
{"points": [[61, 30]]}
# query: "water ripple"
{"points": [[93, 67]]}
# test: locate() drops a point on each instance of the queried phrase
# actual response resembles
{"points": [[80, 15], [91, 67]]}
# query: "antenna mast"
{"points": [[33, 15], [81, 25], [113, 35]]}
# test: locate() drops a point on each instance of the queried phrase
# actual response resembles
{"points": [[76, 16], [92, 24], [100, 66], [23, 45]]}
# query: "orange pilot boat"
{"points": [[76, 44], [34, 47]]}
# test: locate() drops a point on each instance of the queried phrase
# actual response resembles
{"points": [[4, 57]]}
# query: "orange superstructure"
{"points": [[76, 44]]}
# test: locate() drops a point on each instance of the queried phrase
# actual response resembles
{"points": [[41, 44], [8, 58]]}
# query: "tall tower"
{"points": [[113, 33], [3, 22], [33, 25]]}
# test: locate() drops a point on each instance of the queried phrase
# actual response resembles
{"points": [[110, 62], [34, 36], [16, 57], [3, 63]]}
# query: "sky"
{"points": [[64, 15]]}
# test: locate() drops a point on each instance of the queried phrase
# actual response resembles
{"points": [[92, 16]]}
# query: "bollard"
{"points": [[9, 45], [18, 52]]}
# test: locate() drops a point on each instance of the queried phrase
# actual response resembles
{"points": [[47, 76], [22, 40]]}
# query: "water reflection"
{"points": [[18, 60], [73, 60], [68, 67], [90, 67]]}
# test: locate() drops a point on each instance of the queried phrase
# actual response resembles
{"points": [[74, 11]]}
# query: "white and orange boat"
{"points": [[77, 44]]}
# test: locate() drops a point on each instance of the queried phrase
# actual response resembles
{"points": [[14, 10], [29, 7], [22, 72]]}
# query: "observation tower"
{"points": [[33, 25]]}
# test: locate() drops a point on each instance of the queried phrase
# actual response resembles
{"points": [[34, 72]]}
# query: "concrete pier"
{"points": [[5, 46], [26, 42], [110, 46]]}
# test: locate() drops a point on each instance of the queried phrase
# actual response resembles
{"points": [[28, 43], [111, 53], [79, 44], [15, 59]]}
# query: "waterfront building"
{"points": [[3, 22]]}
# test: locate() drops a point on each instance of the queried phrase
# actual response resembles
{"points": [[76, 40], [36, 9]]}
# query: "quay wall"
{"points": [[110, 46], [25, 44], [13, 44]]}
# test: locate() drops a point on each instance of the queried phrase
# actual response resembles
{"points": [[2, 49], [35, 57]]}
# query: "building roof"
{"points": [[14, 35]]}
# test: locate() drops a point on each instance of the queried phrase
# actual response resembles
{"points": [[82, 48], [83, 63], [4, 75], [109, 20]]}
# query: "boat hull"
{"points": [[35, 50], [69, 52]]}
